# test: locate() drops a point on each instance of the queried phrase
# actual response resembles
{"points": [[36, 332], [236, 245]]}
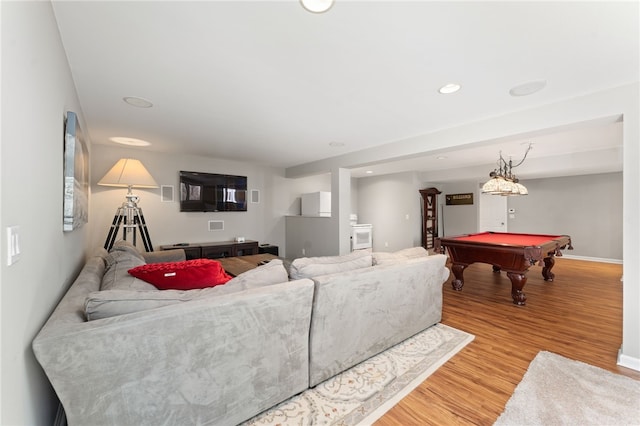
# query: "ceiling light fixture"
{"points": [[138, 102], [317, 6], [528, 88], [449, 88], [129, 141], [503, 181]]}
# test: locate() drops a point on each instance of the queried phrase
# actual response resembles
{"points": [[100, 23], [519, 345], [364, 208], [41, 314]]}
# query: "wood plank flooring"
{"points": [[578, 316]]}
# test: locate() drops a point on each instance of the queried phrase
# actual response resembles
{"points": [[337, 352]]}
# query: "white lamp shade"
{"points": [[491, 186], [522, 190], [128, 172]]}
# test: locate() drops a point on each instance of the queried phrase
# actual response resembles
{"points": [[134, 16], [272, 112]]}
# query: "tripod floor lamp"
{"points": [[129, 173]]}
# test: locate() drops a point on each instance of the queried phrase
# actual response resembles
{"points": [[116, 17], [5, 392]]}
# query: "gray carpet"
{"points": [[559, 391], [365, 392]]}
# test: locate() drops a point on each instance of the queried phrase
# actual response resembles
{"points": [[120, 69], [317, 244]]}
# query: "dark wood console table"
{"points": [[216, 250]]}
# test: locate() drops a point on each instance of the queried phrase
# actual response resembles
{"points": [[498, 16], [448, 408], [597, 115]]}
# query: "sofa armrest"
{"points": [[174, 255], [220, 360]]}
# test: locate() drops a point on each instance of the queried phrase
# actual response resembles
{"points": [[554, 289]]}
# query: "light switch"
{"points": [[13, 244]]}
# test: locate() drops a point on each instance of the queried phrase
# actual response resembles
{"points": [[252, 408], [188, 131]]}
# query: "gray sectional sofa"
{"points": [[119, 352]]}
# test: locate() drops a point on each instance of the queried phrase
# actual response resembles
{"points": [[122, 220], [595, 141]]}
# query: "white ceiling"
{"points": [[268, 83]]}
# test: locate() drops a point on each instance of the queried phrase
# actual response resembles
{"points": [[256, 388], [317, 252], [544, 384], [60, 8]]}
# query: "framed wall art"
{"points": [[76, 175], [459, 199]]}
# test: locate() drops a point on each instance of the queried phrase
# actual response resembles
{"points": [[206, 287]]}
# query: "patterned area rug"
{"points": [[365, 392], [559, 391]]}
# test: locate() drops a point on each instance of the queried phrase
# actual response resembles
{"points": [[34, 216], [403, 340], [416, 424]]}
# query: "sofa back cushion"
{"points": [[116, 275], [309, 267], [126, 247], [272, 272], [384, 258], [105, 304], [360, 313]]}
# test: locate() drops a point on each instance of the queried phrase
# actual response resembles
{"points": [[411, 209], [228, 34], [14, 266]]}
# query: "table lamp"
{"points": [[129, 172]]}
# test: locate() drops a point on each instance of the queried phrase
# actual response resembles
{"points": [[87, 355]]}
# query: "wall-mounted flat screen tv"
{"points": [[209, 192]]}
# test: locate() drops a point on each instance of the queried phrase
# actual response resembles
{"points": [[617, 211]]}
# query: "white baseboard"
{"points": [[627, 361], [592, 259]]}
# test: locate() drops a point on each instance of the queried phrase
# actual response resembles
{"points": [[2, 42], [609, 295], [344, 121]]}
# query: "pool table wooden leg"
{"points": [[458, 282], [546, 269], [517, 283]]}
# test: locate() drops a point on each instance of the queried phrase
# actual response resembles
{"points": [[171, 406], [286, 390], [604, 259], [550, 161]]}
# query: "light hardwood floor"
{"points": [[578, 316]]}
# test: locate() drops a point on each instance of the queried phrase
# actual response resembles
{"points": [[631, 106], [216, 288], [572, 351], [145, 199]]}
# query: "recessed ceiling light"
{"points": [[449, 88], [317, 6], [441, 157], [129, 141], [528, 88], [138, 101], [369, 172], [336, 144]]}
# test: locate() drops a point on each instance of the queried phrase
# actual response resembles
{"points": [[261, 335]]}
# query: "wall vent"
{"points": [[166, 193], [255, 196], [216, 225]]}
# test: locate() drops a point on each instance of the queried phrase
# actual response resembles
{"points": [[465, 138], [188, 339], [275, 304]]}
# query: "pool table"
{"points": [[513, 253]]}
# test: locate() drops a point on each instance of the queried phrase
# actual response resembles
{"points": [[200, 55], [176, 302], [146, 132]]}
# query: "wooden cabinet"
{"points": [[268, 248], [216, 250], [429, 216]]}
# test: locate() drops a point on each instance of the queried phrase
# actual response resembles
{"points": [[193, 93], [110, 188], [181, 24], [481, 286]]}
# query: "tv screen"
{"points": [[210, 192]]}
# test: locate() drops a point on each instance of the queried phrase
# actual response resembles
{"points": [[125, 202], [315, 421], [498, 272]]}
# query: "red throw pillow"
{"points": [[187, 275]]}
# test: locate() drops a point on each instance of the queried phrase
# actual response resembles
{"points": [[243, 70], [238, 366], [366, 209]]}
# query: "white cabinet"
{"points": [[316, 204]]}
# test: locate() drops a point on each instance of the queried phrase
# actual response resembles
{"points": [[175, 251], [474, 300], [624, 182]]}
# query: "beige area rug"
{"points": [[365, 392], [560, 391]]}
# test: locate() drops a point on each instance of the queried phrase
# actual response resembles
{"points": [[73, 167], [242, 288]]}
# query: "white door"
{"points": [[492, 213]]}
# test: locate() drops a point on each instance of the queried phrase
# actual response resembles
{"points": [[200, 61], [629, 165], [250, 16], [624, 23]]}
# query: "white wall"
{"points": [[588, 208], [309, 236], [462, 219], [392, 204], [630, 352], [296, 187], [37, 90], [263, 221]]}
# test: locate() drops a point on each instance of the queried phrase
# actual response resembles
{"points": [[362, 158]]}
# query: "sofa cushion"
{"points": [[110, 303], [126, 247], [186, 275], [105, 304], [116, 275], [384, 258], [308, 267], [360, 313], [273, 272]]}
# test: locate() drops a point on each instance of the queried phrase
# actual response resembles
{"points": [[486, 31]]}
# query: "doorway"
{"points": [[492, 213]]}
